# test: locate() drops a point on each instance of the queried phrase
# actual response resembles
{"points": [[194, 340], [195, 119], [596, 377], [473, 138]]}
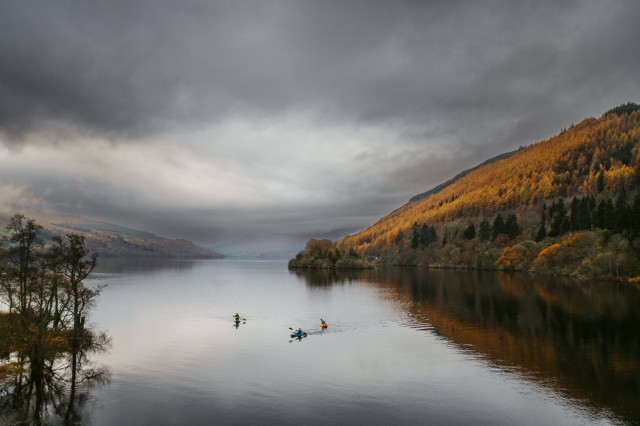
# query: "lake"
{"points": [[403, 346]]}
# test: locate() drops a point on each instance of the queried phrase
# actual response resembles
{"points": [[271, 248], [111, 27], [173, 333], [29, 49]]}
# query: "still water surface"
{"points": [[403, 346]]}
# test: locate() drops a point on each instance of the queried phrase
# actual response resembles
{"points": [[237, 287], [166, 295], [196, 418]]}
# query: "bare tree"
{"points": [[77, 263], [21, 258]]}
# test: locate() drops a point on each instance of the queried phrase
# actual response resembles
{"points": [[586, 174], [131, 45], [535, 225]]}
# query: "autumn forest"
{"points": [[568, 205]]}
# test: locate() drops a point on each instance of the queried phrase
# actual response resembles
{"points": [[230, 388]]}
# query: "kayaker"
{"points": [[299, 331], [237, 317], [323, 323]]}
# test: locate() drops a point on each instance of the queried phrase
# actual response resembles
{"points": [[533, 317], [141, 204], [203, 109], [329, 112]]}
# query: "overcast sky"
{"points": [[222, 120]]}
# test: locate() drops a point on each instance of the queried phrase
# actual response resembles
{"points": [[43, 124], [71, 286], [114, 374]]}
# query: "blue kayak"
{"points": [[303, 334]]}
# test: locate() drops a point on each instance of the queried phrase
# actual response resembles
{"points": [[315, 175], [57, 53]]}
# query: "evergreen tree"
{"points": [[592, 205], [446, 237], [337, 254], [600, 181], [552, 210], [511, 227], [622, 208], [433, 236], [424, 235], [609, 215], [600, 214], [470, 232], [584, 214], [498, 226], [634, 214], [560, 223], [542, 231], [606, 215], [415, 235], [574, 217], [485, 230]]}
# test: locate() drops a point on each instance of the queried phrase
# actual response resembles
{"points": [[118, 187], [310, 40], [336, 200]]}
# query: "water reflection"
{"points": [[52, 390], [135, 265], [580, 338], [327, 277]]}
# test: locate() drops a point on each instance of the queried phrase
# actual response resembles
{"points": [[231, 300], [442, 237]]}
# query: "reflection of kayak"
{"points": [[323, 325], [303, 334]]}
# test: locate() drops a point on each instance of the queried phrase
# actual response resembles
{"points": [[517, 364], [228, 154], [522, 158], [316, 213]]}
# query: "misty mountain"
{"points": [[111, 240]]}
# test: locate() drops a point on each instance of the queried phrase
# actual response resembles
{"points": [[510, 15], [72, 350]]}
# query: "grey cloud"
{"points": [[455, 82], [129, 68]]}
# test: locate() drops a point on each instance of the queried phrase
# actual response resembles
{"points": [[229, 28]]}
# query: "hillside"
{"points": [[111, 240], [460, 175], [557, 206]]}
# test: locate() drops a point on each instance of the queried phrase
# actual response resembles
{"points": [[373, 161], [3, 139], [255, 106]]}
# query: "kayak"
{"points": [[303, 334], [323, 325]]}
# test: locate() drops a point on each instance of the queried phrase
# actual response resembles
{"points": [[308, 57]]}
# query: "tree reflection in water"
{"points": [[55, 389]]}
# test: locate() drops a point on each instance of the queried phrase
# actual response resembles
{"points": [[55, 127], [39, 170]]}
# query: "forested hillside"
{"points": [[567, 205], [110, 240]]}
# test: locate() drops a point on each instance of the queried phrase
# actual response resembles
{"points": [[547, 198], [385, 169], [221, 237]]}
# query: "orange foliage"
{"points": [[511, 256], [567, 164], [549, 251]]}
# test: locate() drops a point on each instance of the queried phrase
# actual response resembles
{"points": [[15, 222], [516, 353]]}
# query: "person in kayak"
{"points": [[322, 321], [237, 317], [299, 331]]}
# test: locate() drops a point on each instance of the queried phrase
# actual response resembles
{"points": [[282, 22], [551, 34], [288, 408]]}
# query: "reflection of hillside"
{"points": [[580, 338], [128, 265]]}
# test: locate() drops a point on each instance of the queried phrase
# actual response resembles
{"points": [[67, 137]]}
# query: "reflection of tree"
{"points": [[53, 389], [132, 265], [329, 277]]}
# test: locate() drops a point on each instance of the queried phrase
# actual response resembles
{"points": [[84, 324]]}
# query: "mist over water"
{"points": [[403, 346]]}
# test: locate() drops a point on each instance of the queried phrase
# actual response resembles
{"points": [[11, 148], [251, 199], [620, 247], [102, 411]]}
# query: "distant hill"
{"points": [[111, 240]]}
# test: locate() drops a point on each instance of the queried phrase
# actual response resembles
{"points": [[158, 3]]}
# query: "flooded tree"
{"points": [[43, 288]]}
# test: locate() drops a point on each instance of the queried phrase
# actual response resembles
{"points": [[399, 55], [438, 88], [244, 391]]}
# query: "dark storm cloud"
{"points": [[135, 67]]}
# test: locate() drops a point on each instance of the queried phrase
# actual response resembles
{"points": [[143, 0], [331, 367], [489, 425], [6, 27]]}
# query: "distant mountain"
{"points": [[111, 240], [276, 246]]}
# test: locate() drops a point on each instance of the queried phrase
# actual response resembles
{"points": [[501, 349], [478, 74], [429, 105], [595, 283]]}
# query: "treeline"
{"points": [[592, 237], [43, 291], [324, 254], [423, 235], [586, 214]]}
